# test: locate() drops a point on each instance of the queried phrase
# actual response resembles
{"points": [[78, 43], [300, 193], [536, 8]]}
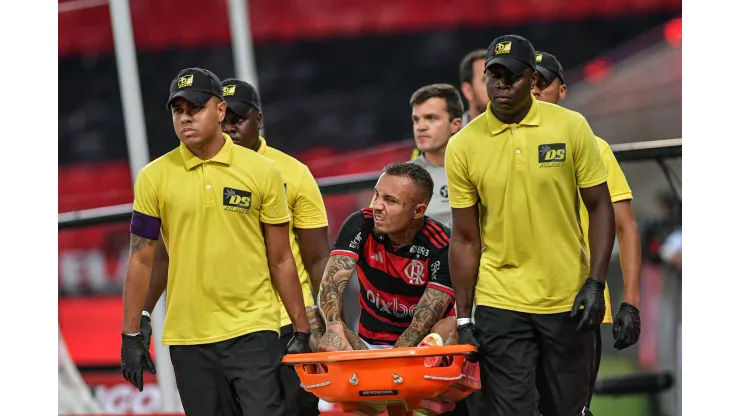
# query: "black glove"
{"points": [[134, 359], [627, 326], [299, 343], [466, 335], [591, 297], [146, 330]]}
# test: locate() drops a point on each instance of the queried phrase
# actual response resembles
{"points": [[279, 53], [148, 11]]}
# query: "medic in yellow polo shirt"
{"points": [[309, 237], [514, 175], [222, 213]]}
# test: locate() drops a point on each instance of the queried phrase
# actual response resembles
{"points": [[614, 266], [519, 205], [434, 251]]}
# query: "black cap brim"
{"points": [[547, 74], [239, 107], [516, 66], [197, 98]]}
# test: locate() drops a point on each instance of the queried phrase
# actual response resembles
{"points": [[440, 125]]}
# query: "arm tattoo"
{"points": [[317, 327], [139, 242], [336, 278], [354, 340], [429, 311], [334, 341]]}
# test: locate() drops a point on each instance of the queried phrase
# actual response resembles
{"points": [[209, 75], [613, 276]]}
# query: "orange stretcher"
{"points": [[398, 380]]}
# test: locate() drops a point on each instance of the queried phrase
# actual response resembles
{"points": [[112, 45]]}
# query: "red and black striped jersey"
{"points": [[393, 279]]}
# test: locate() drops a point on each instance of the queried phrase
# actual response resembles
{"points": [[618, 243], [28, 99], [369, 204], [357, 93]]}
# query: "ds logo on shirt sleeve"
{"points": [[237, 200], [551, 155]]}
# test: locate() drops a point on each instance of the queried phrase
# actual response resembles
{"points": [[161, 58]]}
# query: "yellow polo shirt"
{"points": [[219, 284], [306, 207], [525, 178], [620, 191]]}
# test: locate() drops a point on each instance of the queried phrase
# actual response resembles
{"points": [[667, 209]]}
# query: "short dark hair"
{"points": [[466, 65], [419, 176], [446, 91]]}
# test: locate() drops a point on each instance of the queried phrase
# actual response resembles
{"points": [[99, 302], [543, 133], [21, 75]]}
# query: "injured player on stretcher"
{"points": [[400, 256]]}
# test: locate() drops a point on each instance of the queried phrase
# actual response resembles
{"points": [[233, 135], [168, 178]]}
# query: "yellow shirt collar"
{"points": [[263, 146], [223, 156], [531, 119]]}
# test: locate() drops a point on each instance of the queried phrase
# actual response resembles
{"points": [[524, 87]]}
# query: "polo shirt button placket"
{"points": [[209, 197], [519, 161]]}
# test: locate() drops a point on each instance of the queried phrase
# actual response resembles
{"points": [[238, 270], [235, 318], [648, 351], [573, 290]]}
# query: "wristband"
{"points": [[463, 321], [132, 335], [147, 314]]}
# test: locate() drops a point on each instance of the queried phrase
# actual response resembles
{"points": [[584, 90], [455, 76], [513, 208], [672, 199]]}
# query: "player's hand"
{"points": [[591, 297], [299, 343], [134, 359], [627, 326], [466, 335], [146, 330], [334, 338]]}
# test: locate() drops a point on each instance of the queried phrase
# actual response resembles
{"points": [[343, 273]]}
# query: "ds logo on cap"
{"points": [[185, 81], [538, 57], [229, 90], [502, 47]]}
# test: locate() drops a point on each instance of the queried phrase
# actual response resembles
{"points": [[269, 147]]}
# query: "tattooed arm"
{"points": [[338, 271], [429, 311], [136, 285], [338, 337]]}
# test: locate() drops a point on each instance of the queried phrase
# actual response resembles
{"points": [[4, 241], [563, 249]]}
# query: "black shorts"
{"points": [[298, 402], [532, 364], [239, 376]]}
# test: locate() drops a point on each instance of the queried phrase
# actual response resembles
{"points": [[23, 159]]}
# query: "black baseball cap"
{"points": [[549, 67], [240, 96], [196, 85], [513, 52]]}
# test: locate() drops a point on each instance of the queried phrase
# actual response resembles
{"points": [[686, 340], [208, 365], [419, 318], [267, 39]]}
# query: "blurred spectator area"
{"points": [[332, 73]]}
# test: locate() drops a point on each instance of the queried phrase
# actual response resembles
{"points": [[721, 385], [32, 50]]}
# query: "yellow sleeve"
{"points": [[590, 169], [618, 186], [462, 191], [146, 197], [309, 210], [275, 203]]}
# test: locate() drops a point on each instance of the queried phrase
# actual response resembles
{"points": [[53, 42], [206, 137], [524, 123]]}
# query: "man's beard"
{"points": [[379, 233]]}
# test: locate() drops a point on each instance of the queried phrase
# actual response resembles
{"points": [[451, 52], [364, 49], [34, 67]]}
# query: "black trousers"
{"points": [[533, 364], [597, 362], [298, 401], [239, 376]]}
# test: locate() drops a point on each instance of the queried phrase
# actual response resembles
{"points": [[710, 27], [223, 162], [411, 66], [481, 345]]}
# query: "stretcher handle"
{"points": [[339, 356]]}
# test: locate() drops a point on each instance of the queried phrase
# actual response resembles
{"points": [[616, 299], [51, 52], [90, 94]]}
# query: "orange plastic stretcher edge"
{"points": [[338, 356], [399, 380]]}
